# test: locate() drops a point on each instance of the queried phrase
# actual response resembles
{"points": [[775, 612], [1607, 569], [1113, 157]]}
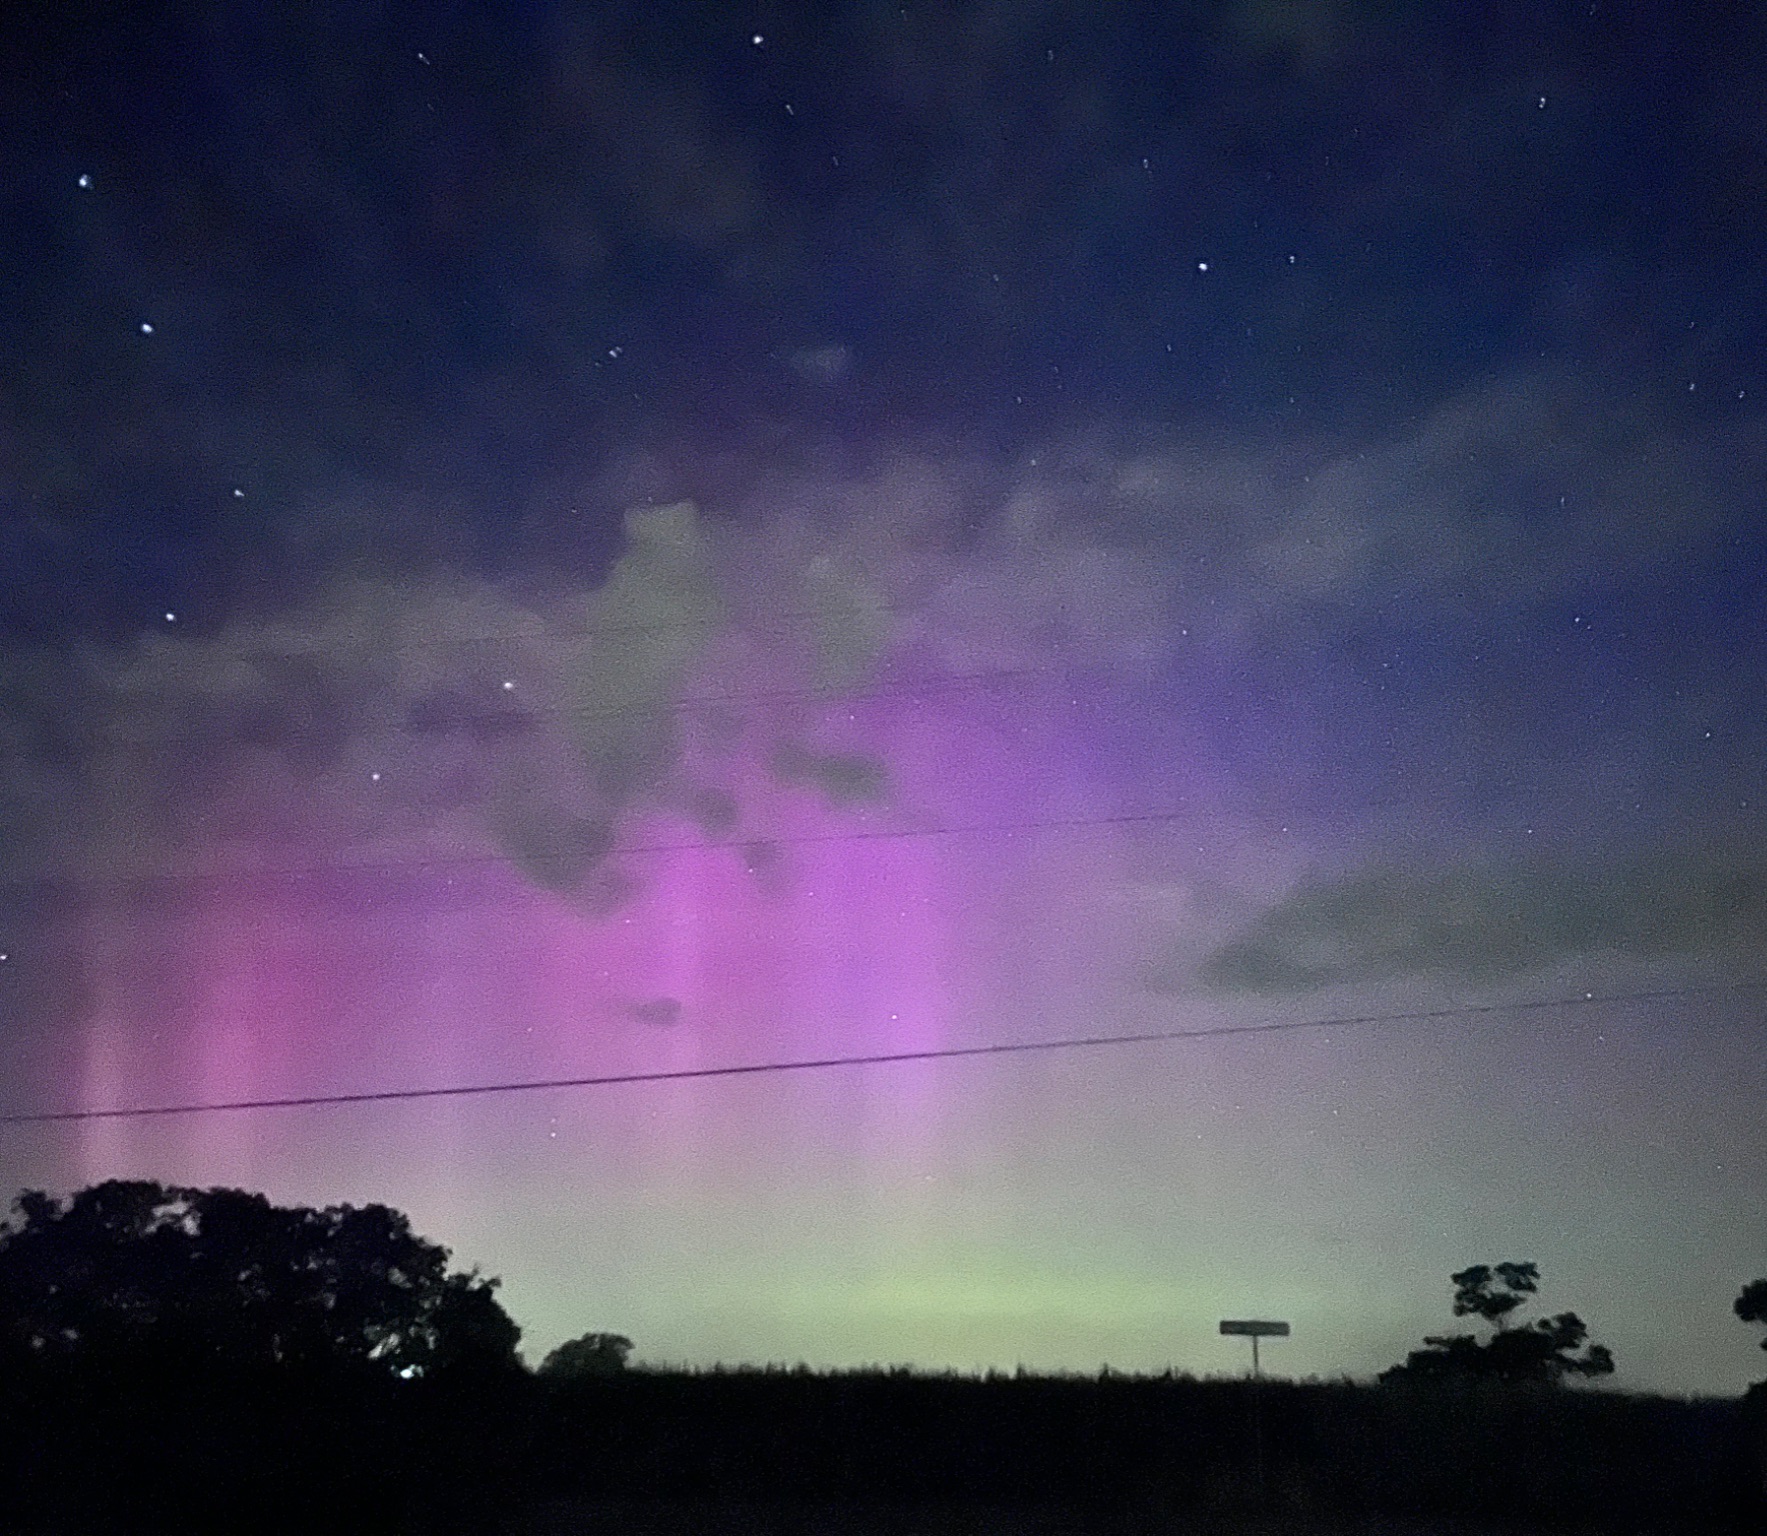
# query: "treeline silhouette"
{"points": [[158, 1372]]}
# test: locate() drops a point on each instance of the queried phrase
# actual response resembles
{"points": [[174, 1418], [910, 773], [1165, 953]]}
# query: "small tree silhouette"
{"points": [[1542, 1351], [595, 1354], [1751, 1306]]}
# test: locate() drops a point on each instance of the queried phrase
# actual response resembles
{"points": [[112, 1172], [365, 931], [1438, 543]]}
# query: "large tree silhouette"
{"points": [[1544, 1350], [222, 1276]]}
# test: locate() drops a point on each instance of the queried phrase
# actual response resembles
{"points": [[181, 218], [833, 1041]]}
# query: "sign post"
{"points": [[1255, 1329]]}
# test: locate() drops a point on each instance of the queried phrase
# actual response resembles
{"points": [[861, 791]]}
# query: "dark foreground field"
{"points": [[662, 1518], [144, 1447]]}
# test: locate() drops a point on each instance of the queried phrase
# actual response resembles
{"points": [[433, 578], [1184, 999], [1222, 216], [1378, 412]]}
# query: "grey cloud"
{"points": [[659, 1012], [889, 563], [1490, 923], [924, 553], [714, 809], [852, 623], [1506, 490], [822, 365], [554, 847], [843, 778], [760, 856], [655, 145], [432, 714], [1307, 35], [648, 623]]}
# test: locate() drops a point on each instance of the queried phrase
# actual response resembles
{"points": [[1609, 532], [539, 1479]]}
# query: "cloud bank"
{"points": [[721, 659], [1488, 925]]}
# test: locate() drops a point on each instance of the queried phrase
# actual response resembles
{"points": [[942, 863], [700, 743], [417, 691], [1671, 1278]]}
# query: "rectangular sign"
{"points": [[1256, 1329]]}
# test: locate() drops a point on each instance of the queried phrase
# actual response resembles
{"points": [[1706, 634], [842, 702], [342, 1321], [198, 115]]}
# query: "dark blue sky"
{"points": [[455, 248]]}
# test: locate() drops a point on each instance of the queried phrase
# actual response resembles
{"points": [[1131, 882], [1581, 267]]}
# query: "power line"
{"points": [[774, 624], [778, 625], [149, 887], [875, 1059], [498, 716]]}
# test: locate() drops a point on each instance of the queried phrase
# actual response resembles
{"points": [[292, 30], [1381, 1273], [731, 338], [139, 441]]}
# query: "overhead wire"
{"points": [[147, 887], [492, 715], [772, 624], [872, 1059], [496, 711]]}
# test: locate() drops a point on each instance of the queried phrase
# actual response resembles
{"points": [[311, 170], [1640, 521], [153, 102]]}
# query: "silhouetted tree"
{"points": [[1751, 1306], [595, 1354], [1542, 1351], [1480, 1292], [222, 1275]]}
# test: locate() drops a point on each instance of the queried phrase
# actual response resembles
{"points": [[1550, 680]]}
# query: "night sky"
{"points": [[545, 541]]}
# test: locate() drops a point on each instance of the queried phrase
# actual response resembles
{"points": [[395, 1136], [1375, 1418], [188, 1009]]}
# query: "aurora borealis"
{"points": [[565, 591]]}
